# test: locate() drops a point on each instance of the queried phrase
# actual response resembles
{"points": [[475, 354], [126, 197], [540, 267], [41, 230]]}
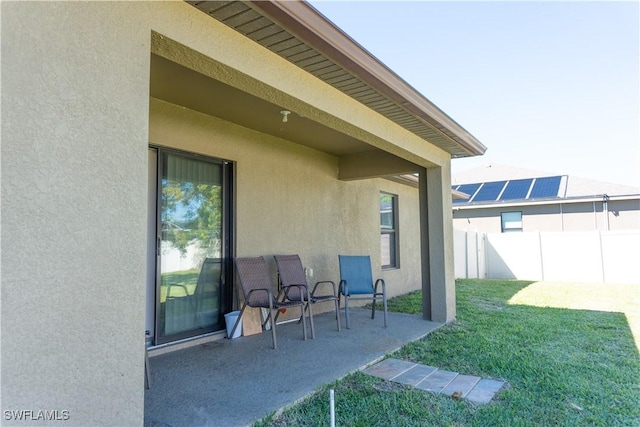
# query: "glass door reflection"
{"points": [[190, 252]]}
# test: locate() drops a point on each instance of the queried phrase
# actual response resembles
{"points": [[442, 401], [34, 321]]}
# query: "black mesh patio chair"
{"points": [[291, 272], [207, 293], [356, 282], [258, 293]]}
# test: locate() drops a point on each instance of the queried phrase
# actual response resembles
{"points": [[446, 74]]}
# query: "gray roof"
{"points": [[571, 186]]}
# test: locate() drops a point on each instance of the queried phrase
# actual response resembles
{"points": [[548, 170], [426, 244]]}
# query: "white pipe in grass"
{"points": [[332, 408]]}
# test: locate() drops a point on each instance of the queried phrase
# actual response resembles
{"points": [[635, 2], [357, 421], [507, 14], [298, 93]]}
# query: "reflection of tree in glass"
{"points": [[191, 214]]}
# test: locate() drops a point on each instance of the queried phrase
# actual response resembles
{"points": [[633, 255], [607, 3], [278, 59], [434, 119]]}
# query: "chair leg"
{"points": [[384, 308], [337, 303], [313, 330], [304, 323], [373, 308], [235, 325], [273, 323], [147, 369], [346, 311]]}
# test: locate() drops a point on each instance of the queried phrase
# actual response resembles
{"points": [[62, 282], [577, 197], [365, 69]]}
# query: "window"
{"points": [[389, 230], [511, 221]]}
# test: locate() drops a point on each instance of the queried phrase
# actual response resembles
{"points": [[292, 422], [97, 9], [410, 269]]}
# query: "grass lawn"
{"points": [[562, 366]]}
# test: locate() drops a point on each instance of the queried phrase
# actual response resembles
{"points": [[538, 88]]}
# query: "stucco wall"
{"points": [[74, 132], [624, 215]]}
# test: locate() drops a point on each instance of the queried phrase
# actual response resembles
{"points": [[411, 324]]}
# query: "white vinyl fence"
{"points": [[596, 257]]}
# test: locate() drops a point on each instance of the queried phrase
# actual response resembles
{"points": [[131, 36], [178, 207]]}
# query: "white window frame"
{"points": [[389, 240], [511, 221]]}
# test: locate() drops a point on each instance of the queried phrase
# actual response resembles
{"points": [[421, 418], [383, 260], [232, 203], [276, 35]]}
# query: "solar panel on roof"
{"points": [[516, 189], [545, 187], [489, 191], [469, 189]]}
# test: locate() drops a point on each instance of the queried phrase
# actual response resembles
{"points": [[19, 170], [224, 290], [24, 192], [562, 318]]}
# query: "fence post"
{"points": [[483, 254], [601, 256], [466, 254], [541, 255]]}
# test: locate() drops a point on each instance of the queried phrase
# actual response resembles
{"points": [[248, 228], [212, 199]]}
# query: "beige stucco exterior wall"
{"points": [[289, 200], [624, 214], [75, 134], [584, 216], [477, 220]]}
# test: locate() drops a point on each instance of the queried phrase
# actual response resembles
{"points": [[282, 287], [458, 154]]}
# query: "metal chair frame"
{"points": [[362, 284], [291, 272], [255, 281]]}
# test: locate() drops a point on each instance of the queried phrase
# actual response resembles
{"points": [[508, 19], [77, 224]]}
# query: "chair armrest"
{"points": [[302, 288], [381, 281], [266, 290], [343, 288], [315, 288], [184, 288]]}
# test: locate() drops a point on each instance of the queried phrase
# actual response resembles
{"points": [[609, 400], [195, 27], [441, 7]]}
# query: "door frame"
{"points": [[154, 244]]}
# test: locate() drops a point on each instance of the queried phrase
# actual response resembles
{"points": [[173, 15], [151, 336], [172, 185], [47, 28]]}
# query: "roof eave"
{"points": [[310, 26], [550, 201], [459, 195]]}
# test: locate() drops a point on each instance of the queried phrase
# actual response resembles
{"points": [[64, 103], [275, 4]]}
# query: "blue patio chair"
{"points": [[257, 290], [356, 282]]}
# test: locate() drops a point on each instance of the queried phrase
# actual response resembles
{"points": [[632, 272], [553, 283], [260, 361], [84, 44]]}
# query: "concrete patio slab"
{"points": [[389, 368], [489, 385], [437, 381], [461, 385], [480, 396], [415, 375], [485, 390], [237, 382], [434, 380]]}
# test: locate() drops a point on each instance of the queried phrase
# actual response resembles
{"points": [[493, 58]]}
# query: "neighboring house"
{"points": [[145, 144], [505, 199]]}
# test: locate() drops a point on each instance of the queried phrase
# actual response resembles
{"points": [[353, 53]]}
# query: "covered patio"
{"points": [[302, 134], [237, 382]]}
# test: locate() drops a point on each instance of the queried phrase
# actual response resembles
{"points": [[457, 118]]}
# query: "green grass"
{"points": [[183, 283], [561, 367]]}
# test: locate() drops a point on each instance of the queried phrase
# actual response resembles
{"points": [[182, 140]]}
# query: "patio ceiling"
{"points": [[183, 86], [297, 32]]}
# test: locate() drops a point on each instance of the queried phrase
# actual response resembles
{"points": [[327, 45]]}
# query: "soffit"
{"points": [[298, 33], [183, 86]]}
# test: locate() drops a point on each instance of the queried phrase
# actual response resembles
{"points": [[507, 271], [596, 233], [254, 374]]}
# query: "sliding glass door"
{"points": [[192, 245]]}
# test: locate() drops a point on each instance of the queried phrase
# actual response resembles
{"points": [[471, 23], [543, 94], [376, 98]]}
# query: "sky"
{"points": [[547, 85]]}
